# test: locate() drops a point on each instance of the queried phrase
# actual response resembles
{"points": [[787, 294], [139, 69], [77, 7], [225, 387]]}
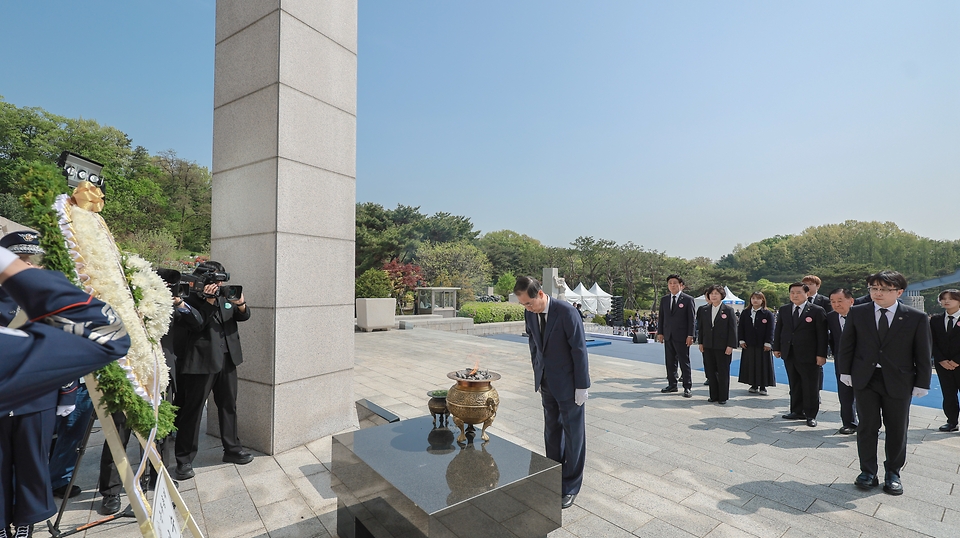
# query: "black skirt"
{"points": [[756, 367]]}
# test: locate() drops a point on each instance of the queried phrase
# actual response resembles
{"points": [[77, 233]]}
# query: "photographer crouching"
{"points": [[208, 360]]}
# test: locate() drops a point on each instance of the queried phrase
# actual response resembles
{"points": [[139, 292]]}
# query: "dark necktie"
{"points": [[796, 315], [950, 324], [543, 326], [810, 300], [884, 324], [673, 304]]}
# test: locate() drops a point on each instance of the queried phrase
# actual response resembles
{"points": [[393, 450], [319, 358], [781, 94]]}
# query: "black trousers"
{"points": [[110, 483], [848, 401], [677, 353], [192, 392], [716, 366], [875, 407], [950, 386], [25, 493], [804, 387], [565, 437]]}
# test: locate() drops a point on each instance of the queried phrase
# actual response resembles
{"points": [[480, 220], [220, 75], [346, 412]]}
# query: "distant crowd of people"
{"points": [[884, 353]]}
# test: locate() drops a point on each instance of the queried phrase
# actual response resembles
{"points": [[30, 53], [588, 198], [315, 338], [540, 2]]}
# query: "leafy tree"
{"points": [[187, 187], [459, 264], [505, 284], [373, 284], [404, 278], [511, 252], [11, 208]]}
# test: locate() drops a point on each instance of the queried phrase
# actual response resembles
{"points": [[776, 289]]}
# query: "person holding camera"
{"points": [[208, 361]]}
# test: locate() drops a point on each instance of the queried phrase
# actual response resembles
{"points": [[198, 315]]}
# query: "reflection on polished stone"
{"points": [[408, 479]]}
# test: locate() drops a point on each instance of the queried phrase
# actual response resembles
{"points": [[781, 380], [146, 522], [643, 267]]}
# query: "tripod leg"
{"points": [[81, 450]]}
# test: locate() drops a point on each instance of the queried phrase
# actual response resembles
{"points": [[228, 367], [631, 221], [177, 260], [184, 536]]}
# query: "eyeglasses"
{"points": [[873, 289]]}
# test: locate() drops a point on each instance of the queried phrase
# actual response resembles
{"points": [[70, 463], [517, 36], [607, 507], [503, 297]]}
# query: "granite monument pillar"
{"points": [[284, 194]]}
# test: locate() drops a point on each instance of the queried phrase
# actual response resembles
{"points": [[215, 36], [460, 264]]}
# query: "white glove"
{"points": [[64, 410], [919, 393], [580, 396], [6, 258], [846, 380]]}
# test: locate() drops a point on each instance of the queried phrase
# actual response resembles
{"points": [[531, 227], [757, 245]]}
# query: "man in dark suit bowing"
{"points": [[885, 356], [800, 339], [676, 318], [842, 300], [561, 374]]}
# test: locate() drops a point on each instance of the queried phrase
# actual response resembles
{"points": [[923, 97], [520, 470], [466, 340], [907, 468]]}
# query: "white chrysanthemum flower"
{"points": [[105, 275]]}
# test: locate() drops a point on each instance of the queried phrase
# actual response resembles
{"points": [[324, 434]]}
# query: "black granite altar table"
{"points": [[407, 479]]}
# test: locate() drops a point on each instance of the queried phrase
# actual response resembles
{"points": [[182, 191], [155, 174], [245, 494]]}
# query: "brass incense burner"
{"points": [[473, 400]]}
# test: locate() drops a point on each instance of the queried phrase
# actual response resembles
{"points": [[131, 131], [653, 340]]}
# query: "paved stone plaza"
{"points": [[657, 465]]}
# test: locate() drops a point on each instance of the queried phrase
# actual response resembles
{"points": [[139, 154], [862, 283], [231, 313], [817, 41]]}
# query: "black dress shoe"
{"points": [[892, 485], [847, 430], [711, 400], [184, 471], [687, 393], [109, 505], [794, 416], [240, 458], [722, 402], [949, 427], [668, 389], [62, 490], [866, 481], [812, 422], [567, 500]]}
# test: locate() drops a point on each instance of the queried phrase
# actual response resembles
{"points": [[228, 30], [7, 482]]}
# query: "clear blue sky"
{"points": [[662, 123]]}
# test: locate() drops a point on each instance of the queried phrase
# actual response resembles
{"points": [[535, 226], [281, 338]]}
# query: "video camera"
{"points": [[185, 284]]}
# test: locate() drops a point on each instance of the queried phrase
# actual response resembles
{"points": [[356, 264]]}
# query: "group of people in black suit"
{"points": [[882, 351]]}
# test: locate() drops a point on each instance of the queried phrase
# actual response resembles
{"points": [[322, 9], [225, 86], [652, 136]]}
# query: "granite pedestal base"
{"points": [[409, 479]]}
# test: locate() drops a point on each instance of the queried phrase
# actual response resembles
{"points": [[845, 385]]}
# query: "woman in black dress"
{"points": [[755, 333]]}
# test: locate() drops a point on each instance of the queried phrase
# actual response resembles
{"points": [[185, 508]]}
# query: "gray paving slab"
{"points": [[658, 465]]}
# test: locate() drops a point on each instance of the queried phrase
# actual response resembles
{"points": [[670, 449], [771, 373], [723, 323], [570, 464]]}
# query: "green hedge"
{"points": [[599, 320], [491, 312]]}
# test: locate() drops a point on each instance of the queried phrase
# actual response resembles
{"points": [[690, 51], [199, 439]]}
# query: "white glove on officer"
{"points": [[580, 396], [64, 410], [919, 393], [6, 258], [846, 380]]}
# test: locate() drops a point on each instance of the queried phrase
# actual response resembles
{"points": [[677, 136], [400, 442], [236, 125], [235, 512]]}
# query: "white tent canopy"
{"points": [[731, 299], [603, 298], [587, 298]]}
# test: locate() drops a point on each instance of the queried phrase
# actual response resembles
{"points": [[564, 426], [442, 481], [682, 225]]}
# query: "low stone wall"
{"points": [[459, 325]]}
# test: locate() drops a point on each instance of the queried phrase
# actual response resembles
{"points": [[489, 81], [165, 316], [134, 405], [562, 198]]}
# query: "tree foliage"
{"points": [[459, 264], [373, 284], [144, 193], [388, 234]]}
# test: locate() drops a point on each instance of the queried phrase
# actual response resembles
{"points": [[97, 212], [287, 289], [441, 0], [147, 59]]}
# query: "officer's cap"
{"points": [[23, 242]]}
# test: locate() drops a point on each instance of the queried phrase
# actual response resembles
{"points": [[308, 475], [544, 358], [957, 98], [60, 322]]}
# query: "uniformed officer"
{"points": [[69, 334]]}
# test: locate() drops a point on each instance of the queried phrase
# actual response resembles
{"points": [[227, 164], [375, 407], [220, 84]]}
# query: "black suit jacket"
{"points": [[823, 302], [679, 324], [562, 356], [758, 332], [834, 331], [722, 333], [904, 354], [805, 342], [207, 345], [945, 346]]}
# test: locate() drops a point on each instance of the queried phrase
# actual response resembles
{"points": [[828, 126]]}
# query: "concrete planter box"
{"points": [[373, 314]]}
